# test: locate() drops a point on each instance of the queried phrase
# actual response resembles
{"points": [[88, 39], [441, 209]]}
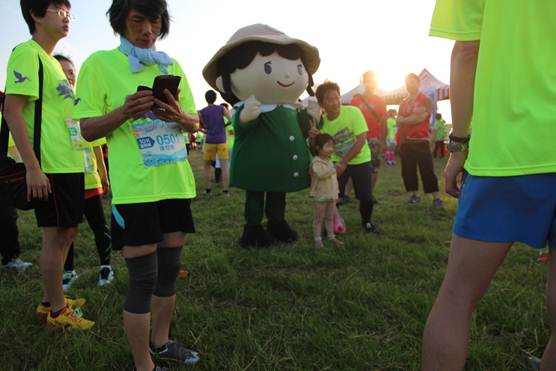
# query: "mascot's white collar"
{"points": [[267, 107]]}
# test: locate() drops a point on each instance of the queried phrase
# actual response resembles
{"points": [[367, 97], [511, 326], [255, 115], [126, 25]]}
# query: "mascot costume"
{"points": [[262, 72]]}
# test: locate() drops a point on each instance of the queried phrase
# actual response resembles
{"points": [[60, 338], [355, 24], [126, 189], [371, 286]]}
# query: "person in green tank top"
{"points": [[151, 179], [55, 176], [439, 136], [262, 72]]}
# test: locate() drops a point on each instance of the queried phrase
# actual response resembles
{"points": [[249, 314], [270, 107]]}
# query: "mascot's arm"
{"points": [[304, 119]]}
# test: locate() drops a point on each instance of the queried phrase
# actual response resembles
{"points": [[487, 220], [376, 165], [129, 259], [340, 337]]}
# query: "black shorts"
{"points": [[145, 223], [64, 207]]}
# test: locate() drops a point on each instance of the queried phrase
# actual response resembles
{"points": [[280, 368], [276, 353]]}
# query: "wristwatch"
{"points": [[458, 144]]}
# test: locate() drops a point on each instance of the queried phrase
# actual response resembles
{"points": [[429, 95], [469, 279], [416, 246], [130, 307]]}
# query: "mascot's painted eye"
{"points": [[300, 69], [268, 68]]}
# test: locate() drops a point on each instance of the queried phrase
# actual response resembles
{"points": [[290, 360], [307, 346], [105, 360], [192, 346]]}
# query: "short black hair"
{"points": [[151, 9], [319, 141], [38, 9], [61, 58], [439, 116], [225, 105], [325, 88], [242, 56], [210, 96]]}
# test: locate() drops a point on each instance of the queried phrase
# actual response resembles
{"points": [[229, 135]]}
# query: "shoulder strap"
{"points": [[5, 131], [369, 108]]}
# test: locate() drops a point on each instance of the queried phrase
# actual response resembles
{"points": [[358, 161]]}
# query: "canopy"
{"points": [[429, 85]]}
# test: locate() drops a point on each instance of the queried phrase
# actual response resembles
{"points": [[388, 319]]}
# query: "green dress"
{"points": [[270, 153]]}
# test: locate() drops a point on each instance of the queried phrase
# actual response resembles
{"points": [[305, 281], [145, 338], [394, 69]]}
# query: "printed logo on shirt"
{"points": [[19, 78], [344, 140], [64, 90]]}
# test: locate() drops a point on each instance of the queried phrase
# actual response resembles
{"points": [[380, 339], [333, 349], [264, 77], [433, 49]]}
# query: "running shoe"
{"points": [[68, 279], [17, 265], [106, 275], [70, 319], [174, 351]]}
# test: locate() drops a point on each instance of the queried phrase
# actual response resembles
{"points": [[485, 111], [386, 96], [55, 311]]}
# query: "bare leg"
{"points": [[224, 167], [137, 326], [320, 211], [162, 308], [471, 267], [206, 174], [329, 219], [549, 356], [55, 245]]}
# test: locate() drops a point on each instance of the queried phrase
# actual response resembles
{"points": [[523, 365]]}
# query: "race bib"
{"points": [[75, 134], [159, 142], [89, 160]]}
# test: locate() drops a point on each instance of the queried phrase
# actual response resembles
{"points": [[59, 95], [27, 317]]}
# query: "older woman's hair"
{"points": [[152, 9]]}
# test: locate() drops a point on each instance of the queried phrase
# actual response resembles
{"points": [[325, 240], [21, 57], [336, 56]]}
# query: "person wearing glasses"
{"points": [[56, 178]]}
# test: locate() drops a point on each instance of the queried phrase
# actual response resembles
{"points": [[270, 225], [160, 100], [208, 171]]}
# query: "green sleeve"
{"points": [[238, 125], [91, 92], [459, 20], [22, 75], [304, 120]]}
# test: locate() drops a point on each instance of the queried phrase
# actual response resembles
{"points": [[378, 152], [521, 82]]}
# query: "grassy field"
{"points": [[288, 308]]}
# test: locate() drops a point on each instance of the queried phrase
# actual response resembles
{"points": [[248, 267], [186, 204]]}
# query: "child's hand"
{"points": [[251, 110]]}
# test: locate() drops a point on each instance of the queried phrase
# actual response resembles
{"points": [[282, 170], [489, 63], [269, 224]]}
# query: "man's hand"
{"points": [[170, 111], [340, 168], [38, 185], [251, 110], [453, 169], [138, 104]]}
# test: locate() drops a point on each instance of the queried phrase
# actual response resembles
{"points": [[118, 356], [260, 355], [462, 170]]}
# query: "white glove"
{"points": [[313, 108], [251, 110]]}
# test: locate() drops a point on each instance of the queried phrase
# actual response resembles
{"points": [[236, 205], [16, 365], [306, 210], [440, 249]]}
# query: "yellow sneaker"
{"points": [[70, 319], [42, 312]]}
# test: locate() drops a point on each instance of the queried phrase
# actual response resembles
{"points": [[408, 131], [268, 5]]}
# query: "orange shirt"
{"points": [[416, 131], [378, 104]]}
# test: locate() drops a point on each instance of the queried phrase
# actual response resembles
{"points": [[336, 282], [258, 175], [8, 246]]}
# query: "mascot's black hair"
{"points": [[242, 56]]}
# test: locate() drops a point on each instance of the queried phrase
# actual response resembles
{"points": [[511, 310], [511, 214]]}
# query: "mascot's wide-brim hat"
{"points": [[264, 33]]}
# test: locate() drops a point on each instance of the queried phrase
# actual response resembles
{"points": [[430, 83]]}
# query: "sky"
{"points": [[389, 37]]}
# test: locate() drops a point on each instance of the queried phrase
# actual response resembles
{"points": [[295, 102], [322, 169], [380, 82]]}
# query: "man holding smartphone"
{"points": [[152, 181]]}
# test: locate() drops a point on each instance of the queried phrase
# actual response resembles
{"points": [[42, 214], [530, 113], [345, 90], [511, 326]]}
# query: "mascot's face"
{"points": [[271, 79]]}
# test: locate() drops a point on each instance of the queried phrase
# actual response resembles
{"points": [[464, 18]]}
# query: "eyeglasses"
{"points": [[62, 13]]}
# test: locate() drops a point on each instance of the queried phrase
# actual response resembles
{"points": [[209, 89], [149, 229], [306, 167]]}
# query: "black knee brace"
{"points": [[168, 269], [142, 280]]}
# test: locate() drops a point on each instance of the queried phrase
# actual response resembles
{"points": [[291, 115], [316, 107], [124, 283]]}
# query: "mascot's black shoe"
{"points": [[281, 231], [254, 236]]}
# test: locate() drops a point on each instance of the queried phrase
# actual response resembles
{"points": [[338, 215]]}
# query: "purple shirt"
{"points": [[212, 118]]}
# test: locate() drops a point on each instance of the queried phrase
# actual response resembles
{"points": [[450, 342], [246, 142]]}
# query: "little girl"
{"points": [[324, 188]]}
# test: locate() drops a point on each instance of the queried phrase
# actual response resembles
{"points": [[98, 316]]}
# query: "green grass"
{"points": [[288, 308]]}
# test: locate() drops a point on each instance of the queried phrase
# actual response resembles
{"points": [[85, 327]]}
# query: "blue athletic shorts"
{"points": [[508, 209]]}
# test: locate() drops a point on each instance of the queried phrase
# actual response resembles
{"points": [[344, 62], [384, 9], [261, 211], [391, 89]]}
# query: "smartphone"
{"points": [[162, 82]]}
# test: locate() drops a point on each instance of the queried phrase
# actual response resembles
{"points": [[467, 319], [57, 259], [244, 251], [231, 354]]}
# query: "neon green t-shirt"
{"points": [[515, 84], [58, 153], [392, 128], [439, 130], [344, 129], [92, 176], [230, 137], [147, 157]]}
